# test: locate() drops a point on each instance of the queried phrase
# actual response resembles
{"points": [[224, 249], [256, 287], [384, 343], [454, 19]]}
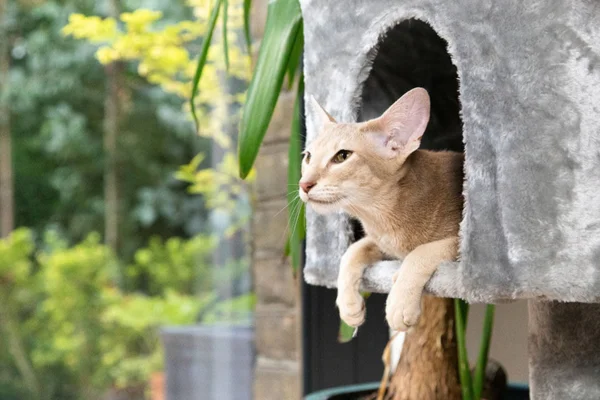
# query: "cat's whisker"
{"points": [[295, 214], [286, 230], [297, 219], [287, 205], [295, 206]]}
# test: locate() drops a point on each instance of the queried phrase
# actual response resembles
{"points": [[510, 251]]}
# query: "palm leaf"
{"points": [[296, 56], [225, 40], [295, 209], [212, 22], [482, 360], [247, 8], [283, 21], [460, 310]]}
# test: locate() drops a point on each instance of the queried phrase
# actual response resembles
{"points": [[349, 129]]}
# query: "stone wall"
{"points": [[278, 373], [277, 318]]}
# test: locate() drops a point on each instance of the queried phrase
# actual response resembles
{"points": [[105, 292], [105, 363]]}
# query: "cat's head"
{"points": [[348, 164]]}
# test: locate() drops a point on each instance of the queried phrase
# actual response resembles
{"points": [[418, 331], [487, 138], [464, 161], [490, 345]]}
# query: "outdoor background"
{"points": [[117, 216]]}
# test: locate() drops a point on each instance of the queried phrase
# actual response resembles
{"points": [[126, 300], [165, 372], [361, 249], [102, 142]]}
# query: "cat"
{"points": [[409, 201]]}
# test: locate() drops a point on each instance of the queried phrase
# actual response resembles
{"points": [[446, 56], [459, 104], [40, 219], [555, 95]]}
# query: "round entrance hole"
{"points": [[413, 55]]}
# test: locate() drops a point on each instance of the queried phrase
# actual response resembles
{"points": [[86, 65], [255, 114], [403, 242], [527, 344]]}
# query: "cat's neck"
{"points": [[400, 193], [411, 206]]}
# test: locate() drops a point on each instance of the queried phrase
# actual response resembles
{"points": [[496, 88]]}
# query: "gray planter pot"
{"points": [[208, 362]]}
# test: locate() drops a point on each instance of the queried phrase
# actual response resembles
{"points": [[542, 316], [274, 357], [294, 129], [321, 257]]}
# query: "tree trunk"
{"points": [[428, 367], [6, 170], [111, 132], [16, 348]]}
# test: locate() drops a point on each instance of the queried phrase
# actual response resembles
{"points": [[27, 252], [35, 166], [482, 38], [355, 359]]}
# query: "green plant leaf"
{"points": [[482, 360], [203, 56], [296, 219], [296, 237], [283, 21], [225, 41], [464, 308], [196, 161], [295, 56], [466, 381], [346, 332], [287, 249], [247, 8]]}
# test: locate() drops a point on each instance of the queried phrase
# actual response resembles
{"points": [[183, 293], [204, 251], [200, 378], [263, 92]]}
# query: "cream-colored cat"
{"points": [[409, 201]]}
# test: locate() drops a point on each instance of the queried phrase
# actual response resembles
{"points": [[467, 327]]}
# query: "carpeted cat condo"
{"points": [[516, 85]]}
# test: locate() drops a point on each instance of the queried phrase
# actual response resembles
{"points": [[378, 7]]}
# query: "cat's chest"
{"points": [[391, 243]]}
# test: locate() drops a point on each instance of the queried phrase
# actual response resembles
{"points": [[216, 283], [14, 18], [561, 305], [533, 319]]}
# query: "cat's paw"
{"points": [[352, 308], [403, 309]]}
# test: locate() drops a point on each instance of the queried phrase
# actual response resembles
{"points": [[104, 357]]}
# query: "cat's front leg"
{"points": [[359, 256], [403, 307]]}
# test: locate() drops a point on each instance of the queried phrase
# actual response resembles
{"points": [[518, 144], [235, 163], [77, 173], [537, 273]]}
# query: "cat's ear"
{"points": [[402, 125], [322, 116]]}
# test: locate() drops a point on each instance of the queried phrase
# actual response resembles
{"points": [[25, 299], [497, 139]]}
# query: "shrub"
{"points": [[70, 331]]}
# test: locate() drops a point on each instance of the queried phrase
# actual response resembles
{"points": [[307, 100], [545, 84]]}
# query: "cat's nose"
{"points": [[306, 185]]}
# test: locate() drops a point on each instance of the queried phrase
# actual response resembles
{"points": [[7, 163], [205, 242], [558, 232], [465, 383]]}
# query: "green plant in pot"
{"points": [[280, 56]]}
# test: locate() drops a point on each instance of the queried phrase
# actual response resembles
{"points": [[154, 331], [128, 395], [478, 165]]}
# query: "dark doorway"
{"points": [[413, 55]]}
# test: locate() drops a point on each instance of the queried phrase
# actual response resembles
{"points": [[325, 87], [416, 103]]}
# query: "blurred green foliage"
{"points": [[78, 332], [57, 106], [160, 50], [176, 264], [76, 318]]}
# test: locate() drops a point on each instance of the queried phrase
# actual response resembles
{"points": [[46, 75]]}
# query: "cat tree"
{"points": [[516, 84]]}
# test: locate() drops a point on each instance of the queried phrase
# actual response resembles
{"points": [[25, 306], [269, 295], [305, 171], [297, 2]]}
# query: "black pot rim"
{"points": [[327, 393]]}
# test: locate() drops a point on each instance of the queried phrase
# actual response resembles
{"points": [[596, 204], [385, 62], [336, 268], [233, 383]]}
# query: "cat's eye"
{"points": [[307, 156], [341, 156]]}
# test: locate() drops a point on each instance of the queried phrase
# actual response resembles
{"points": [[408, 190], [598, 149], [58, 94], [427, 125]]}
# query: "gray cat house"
{"points": [[516, 86]]}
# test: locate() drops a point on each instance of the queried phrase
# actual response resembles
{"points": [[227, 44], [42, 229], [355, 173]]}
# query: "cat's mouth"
{"points": [[322, 206], [323, 202]]}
